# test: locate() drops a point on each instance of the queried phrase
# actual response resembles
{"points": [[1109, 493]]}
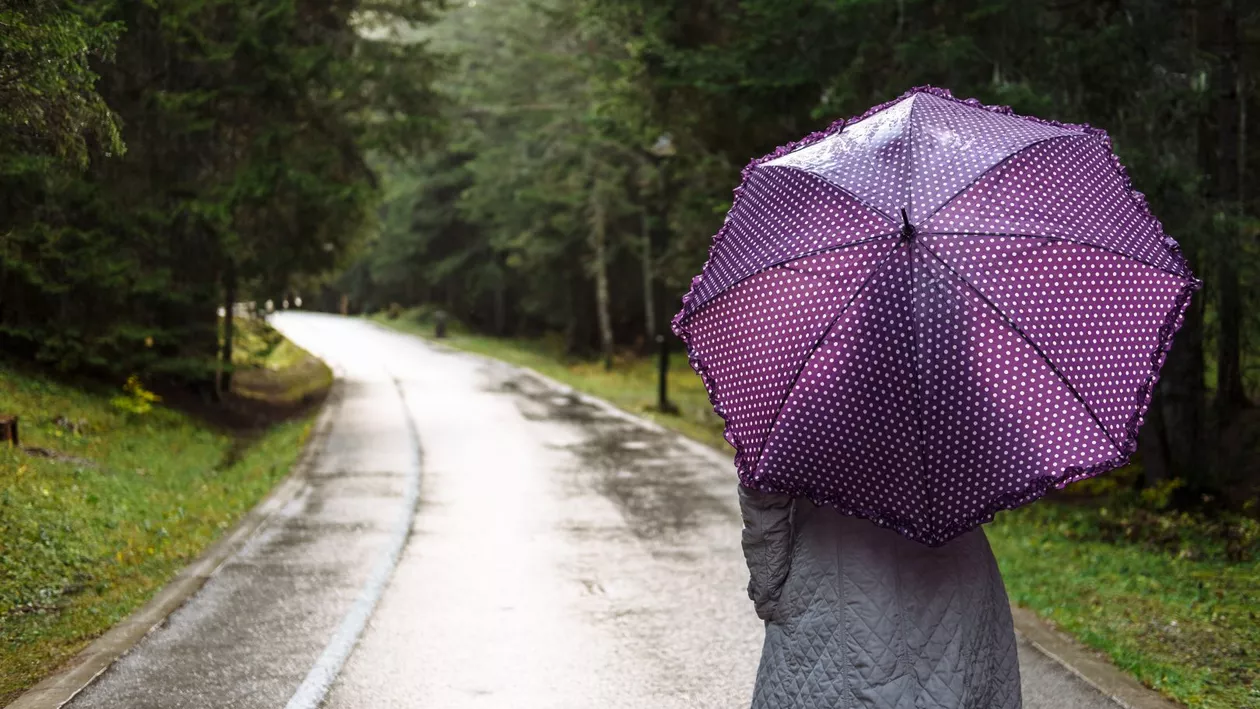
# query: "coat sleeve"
{"points": [[767, 542]]}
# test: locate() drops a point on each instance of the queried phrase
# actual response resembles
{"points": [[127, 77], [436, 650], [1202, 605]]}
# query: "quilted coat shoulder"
{"points": [[859, 616]]}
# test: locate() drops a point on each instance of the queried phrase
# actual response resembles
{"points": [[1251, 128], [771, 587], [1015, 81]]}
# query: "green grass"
{"points": [[1189, 627], [1183, 621], [89, 536]]}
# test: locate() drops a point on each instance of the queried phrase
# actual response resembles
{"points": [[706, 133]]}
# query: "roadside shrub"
{"points": [[135, 398]]}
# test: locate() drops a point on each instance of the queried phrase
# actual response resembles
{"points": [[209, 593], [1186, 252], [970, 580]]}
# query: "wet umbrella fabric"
{"points": [[933, 312]]}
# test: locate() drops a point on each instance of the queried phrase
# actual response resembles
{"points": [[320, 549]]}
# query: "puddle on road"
{"points": [[649, 477], [541, 403]]}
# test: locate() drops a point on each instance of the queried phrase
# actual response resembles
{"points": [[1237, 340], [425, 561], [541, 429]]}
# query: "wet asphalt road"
{"points": [[560, 555]]}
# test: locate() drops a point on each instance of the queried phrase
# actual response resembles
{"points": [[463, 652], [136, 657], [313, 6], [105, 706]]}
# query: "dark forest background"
{"points": [[559, 166]]}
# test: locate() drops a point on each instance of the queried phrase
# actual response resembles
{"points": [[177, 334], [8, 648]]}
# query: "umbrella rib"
{"points": [[918, 384], [778, 264], [807, 272], [995, 166], [845, 190], [1061, 239], [817, 344], [1019, 331], [910, 187]]}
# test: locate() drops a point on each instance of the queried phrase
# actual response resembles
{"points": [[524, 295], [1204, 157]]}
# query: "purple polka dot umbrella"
{"points": [[933, 312]]}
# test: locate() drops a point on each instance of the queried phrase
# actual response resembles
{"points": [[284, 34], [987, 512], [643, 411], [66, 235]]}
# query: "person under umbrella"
{"points": [[909, 322]]}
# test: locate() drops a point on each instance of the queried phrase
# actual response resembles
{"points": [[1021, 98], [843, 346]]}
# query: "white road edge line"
{"points": [[314, 689]]}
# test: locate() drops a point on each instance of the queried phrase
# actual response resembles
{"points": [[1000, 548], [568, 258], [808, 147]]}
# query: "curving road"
{"points": [[472, 536]]}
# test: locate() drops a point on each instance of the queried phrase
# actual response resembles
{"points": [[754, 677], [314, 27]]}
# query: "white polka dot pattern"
{"points": [[954, 144], [869, 159], [784, 214], [848, 430], [997, 420], [1065, 188], [765, 327], [1094, 315], [917, 154], [1005, 342]]}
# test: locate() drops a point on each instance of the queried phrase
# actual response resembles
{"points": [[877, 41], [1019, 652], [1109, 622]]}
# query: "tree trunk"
{"points": [[1153, 447], [1226, 178], [500, 308], [649, 301], [1230, 395], [229, 308], [1181, 399], [599, 247], [577, 336]]}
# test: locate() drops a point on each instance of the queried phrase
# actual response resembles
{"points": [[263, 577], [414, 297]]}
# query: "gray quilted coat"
{"points": [[859, 616]]}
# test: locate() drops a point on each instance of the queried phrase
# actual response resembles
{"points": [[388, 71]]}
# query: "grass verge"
{"points": [[1184, 619], [1186, 624], [114, 504], [273, 370]]}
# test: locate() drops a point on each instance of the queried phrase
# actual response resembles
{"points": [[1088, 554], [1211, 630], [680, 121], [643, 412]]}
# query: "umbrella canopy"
{"points": [[933, 312]]}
